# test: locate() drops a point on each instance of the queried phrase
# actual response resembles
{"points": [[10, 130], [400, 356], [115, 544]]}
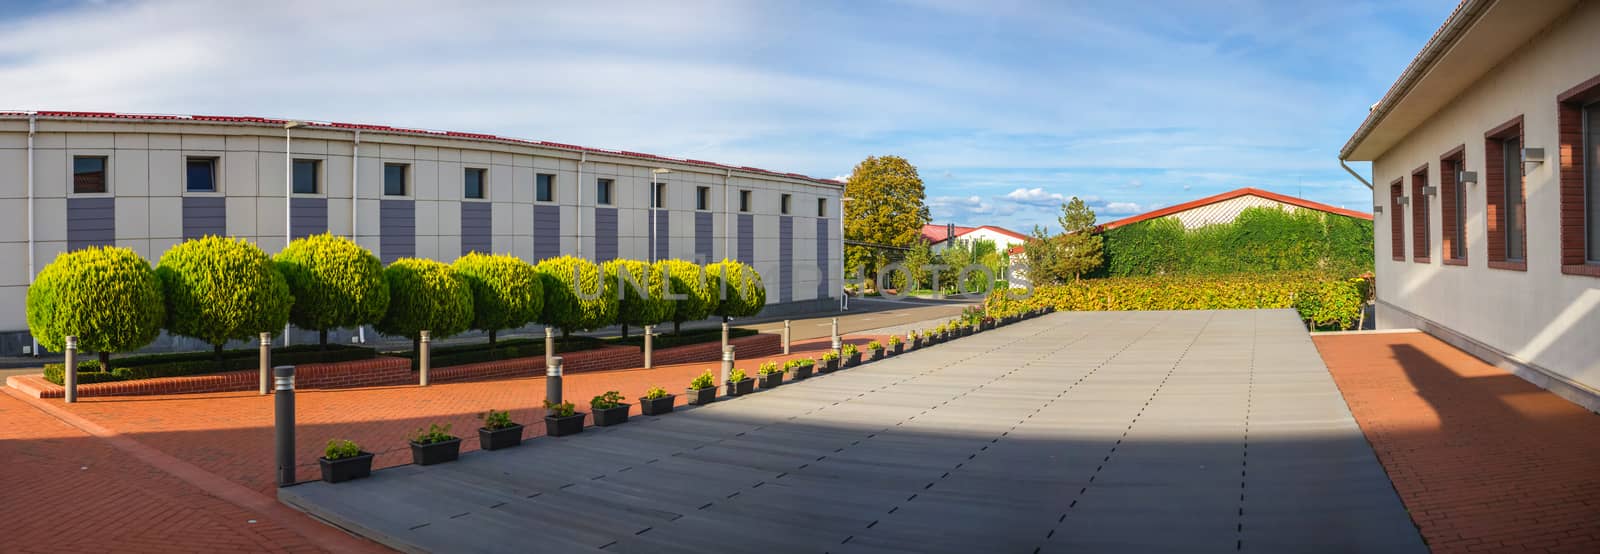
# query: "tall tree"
{"points": [[1042, 257], [1081, 247], [886, 207]]}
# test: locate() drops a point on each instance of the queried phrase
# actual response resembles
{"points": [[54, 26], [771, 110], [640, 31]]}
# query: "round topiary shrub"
{"points": [[576, 295], [108, 298], [506, 292], [335, 283], [220, 289], [425, 295], [737, 288], [633, 308], [689, 280]]}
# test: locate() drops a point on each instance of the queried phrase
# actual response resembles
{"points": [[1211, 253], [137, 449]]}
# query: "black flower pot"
{"points": [[435, 453], [495, 439], [657, 406], [563, 426], [771, 380], [899, 348], [854, 360], [701, 397], [747, 386], [830, 366], [611, 416], [877, 354], [802, 372], [345, 469]]}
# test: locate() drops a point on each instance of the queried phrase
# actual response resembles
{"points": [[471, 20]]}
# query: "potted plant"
{"points": [[739, 383], [830, 361], [608, 409], [895, 346], [852, 357], [703, 389], [656, 401], [435, 445], [771, 375], [498, 431], [343, 460], [877, 351], [564, 419], [801, 368]]}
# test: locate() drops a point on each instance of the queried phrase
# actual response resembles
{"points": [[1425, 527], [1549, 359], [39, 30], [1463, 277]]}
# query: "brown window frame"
{"points": [[1494, 191], [1575, 162], [1397, 221], [1451, 191], [1421, 238]]}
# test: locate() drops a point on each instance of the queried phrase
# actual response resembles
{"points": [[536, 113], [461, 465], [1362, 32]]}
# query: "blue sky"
{"points": [[1006, 107]]}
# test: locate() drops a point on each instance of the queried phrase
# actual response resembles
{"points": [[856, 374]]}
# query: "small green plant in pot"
{"points": [[343, 460], [498, 431], [877, 350], [564, 419], [830, 361], [739, 383], [434, 445], [609, 409], [656, 401], [703, 389], [895, 346], [800, 368], [771, 375], [852, 356]]}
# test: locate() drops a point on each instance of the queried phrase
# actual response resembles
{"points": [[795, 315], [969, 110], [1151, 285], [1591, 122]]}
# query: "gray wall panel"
{"points": [[825, 267], [397, 230], [785, 258], [661, 235], [703, 226], [605, 234], [747, 238], [91, 222], [477, 231], [546, 232], [204, 215], [308, 216]]}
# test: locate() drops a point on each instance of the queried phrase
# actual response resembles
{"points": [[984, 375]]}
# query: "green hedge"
{"points": [[667, 340], [180, 364], [1260, 240], [1327, 302], [462, 354]]}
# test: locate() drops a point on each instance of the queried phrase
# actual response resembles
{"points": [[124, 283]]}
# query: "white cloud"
{"points": [[1035, 196]]}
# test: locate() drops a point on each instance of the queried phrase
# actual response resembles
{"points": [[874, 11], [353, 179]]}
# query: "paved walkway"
{"points": [[1131, 431], [1484, 460]]}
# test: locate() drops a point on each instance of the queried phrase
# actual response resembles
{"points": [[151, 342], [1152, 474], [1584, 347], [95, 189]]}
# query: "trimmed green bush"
{"points": [[737, 288], [633, 308], [425, 295], [688, 279], [506, 292], [1260, 240], [220, 289], [108, 298], [335, 283], [1327, 302], [576, 295], [179, 364]]}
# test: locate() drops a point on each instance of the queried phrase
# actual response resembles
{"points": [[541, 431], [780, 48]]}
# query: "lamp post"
{"points": [[288, 195], [655, 199], [844, 296]]}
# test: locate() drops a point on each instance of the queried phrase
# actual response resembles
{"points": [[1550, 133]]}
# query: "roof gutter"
{"points": [[1353, 173]]}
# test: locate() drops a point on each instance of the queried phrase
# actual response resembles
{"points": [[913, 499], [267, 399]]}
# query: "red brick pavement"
{"points": [[1483, 460]]}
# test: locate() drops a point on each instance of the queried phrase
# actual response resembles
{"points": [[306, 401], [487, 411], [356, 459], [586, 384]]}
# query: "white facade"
{"points": [[145, 182], [1511, 60], [1003, 240]]}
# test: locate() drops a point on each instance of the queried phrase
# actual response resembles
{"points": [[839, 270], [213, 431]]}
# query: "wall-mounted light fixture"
{"points": [[1430, 191], [1469, 177], [1403, 200], [1377, 209], [1533, 156]]}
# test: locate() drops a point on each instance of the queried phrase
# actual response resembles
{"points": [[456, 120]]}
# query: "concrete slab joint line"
{"points": [[1146, 417]]}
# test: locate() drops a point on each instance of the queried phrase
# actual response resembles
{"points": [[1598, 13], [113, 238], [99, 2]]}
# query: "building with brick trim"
{"points": [[146, 182], [1486, 159]]}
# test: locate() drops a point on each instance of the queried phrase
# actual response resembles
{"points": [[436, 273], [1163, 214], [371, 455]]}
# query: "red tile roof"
{"points": [[935, 233], [1247, 191], [250, 120]]}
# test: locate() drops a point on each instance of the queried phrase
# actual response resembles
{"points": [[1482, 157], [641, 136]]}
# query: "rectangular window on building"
{"points": [[1421, 220], [1578, 185], [305, 176], [744, 200], [1591, 166], [602, 191], [702, 198], [1453, 206], [394, 180], [544, 188], [822, 207], [1397, 222], [200, 175], [473, 183], [88, 174], [783, 204], [1513, 219], [1504, 197], [660, 199]]}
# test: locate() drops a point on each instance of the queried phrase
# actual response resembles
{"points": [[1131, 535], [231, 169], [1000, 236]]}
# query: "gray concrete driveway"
{"points": [[1074, 432]]}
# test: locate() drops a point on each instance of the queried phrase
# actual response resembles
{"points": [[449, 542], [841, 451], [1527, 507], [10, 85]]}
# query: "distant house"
{"points": [[938, 236], [1225, 207]]}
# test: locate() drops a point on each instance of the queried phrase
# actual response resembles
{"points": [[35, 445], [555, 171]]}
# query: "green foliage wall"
{"points": [[506, 292], [1261, 239], [335, 283], [425, 295], [220, 289], [1327, 301], [108, 298], [577, 297]]}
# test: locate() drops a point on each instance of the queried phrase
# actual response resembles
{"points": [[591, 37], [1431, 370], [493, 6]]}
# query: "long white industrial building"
{"points": [[146, 182]]}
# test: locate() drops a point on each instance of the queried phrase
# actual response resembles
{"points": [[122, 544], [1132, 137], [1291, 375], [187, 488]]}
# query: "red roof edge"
{"points": [[1247, 191]]}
